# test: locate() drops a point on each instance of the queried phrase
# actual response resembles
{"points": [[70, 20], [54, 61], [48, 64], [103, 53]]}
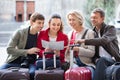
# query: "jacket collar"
{"points": [[58, 34], [103, 26]]}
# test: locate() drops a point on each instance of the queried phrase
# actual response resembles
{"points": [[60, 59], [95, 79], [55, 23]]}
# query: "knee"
{"points": [[102, 60], [105, 61], [32, 68], [39, 64]]}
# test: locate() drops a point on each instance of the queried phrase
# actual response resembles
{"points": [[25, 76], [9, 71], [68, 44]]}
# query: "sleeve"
{"points": [[87, 50], [12, 47], [62, 52], [107, 37], [39, 45]]}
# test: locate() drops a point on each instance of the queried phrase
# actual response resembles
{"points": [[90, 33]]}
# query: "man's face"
{"points": [[96, 19], [38, 25]]}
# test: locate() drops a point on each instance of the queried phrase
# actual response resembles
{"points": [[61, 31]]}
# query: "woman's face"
{"points": [[73, 21], [55, 25]]}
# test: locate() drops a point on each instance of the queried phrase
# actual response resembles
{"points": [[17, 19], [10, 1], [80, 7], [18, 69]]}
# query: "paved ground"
{"points": [[3, 55]]}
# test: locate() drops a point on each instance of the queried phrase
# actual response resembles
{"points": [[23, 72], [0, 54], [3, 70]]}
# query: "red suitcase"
{"points": [[78, 73], [54, 74], [14, 74]]}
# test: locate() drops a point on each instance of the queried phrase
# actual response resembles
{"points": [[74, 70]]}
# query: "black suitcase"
{"points": [[53, 74], [14, 73]]}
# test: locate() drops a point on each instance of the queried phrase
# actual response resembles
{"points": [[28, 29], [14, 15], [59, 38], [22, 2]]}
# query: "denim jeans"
{"points": [[101, 65], [32, 68], [79, 63], [48, 63], [7, 65]]}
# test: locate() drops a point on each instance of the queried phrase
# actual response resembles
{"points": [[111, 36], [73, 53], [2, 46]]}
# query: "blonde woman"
{"points": [[83, 52]]}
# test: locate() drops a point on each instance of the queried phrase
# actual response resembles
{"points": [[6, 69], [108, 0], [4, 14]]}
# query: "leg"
{"points": [[101, 65], [32, 69], [48, 62], [39, 64], [7, 65]]}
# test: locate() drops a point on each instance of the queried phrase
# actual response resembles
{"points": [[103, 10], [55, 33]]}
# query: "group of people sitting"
{"points": [[98, 48]]}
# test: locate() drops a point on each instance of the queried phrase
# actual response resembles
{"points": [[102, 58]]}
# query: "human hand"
{"points": [[57, 52], [33, 50], [80, 41], [76, 49], [48, 50]]}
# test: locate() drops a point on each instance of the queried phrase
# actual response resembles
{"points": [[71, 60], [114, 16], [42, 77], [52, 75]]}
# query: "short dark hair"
{"points": [[99, 10], [36, 16]]}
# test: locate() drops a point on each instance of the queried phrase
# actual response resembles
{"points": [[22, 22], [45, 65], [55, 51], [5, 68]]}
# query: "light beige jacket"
{"points": [[86, 52]]}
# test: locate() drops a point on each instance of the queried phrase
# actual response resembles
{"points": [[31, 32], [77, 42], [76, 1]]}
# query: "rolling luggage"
{"points": [[14, 73], [77, 73], [53, 74]]}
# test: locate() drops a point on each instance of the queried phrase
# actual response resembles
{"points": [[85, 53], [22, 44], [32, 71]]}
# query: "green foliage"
{"points": [[107, 5]]}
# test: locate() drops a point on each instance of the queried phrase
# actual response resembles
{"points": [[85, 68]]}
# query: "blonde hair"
{"points": [[77, 15]]}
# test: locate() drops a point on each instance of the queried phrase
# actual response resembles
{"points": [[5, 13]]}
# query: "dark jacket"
{"points": [[108, 41]]}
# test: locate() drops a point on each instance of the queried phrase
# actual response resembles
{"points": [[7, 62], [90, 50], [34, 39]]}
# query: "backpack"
{"points": [[113, 72]]}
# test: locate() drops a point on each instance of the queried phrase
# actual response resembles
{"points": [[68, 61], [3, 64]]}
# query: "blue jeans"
{"points": [[101, 65], [32, 68], [48, 63], [79, 63], [7, 65]]}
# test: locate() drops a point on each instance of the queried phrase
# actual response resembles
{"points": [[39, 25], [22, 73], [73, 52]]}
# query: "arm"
{"points": [[14, 43], [62, 52], [87, 50], [17, 43], [39, 45], [108, 36]]}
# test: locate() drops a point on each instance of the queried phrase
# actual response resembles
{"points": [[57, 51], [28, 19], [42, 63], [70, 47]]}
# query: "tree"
{"points": [[107, 5]]}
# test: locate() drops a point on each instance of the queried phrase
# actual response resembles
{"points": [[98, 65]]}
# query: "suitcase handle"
{"points": [[50, 71], [71, 53], [14, 69], [54, 59]]}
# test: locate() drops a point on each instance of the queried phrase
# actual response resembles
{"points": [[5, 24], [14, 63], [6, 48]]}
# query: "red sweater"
{"points": [[43, 35]]}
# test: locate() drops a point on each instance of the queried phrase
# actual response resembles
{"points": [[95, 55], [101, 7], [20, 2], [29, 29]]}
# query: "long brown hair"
{"points": [[58, 17]]}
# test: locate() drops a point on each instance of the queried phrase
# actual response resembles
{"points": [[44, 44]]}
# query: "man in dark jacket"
{"points": [[106, 43]]}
